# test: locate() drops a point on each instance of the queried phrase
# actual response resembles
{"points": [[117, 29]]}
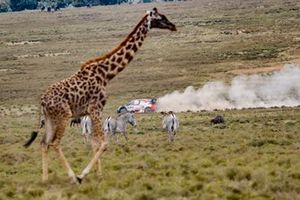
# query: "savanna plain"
{"points": [[254, 155]]}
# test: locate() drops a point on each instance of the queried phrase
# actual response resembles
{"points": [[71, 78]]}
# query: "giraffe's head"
{"points": [[158, 20]]}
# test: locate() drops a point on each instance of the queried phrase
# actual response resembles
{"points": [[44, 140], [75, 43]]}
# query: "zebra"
{"points": [[86, 127], [119, 124], [111, 126], [170, 123]]}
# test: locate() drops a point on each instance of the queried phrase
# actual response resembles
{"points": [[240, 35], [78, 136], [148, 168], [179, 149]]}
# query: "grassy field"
{"points": [[255, 155]]}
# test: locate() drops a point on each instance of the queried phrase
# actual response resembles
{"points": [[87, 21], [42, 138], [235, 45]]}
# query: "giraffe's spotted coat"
{"points": [[84, 93]]}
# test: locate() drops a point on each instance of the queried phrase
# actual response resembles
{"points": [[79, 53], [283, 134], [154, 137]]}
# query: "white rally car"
{"points": [[139, 106]]}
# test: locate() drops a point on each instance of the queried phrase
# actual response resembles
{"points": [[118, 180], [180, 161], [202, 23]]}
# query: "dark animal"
{"points": [[56, 8], [217, 120], [75, 121]]}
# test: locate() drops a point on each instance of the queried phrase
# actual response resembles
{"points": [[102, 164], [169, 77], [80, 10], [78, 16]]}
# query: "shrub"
{"points": [[18, 5], [79, 3], [4, 7], [63, 3]]}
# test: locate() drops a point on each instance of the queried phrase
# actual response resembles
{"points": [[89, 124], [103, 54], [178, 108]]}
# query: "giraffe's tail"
{"points": [[41, 124], [31, 139]]}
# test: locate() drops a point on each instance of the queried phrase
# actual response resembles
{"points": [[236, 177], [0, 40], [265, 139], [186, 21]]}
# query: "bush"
{"points": [[63, 3], [18, 5], [4, 7], [79, 3]]}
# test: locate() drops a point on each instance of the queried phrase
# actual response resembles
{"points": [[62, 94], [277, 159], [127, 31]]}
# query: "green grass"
{"points": [[255, 155]]}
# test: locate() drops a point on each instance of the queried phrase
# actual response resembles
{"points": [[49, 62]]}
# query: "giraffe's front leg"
{"points": [[95, 147], [67, 166], [59, 131], [99, 145]]}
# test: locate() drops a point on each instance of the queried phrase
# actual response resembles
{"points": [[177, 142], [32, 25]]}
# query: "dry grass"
{"points": [[255, 155]]}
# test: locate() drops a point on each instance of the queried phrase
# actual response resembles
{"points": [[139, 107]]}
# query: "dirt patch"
{"points": [[255, 70], [15, 43], [17, 110], [271, 68], [43, 55], [235, 32], [7, 70]]}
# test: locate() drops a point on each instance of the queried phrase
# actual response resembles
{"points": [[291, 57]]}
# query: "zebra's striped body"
{"points": [[171, 124], [119, 125]]}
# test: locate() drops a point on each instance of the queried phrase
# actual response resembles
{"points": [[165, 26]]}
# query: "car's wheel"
{"points": [[147, 109], [122, 110]]}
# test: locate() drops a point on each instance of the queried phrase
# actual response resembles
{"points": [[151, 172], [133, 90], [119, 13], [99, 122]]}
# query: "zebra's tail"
{"points": [[86, 127], [173, 124]]}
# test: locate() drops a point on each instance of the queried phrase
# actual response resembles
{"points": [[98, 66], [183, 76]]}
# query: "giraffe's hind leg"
{"points": [[99, 144], [48, 136], [44, 162]]}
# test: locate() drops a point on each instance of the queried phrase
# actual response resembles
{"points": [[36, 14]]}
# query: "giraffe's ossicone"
{"points": [[84, 93]]}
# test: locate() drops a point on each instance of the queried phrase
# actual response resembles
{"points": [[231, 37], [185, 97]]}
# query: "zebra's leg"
{"points": [[86, 138], [83, 137], [117, 137], [125, 135], [170, 134], [174, 135]]}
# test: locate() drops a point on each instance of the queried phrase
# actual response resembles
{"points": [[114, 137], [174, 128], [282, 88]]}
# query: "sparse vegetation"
{"points": [[19, 5], [254, 155]]}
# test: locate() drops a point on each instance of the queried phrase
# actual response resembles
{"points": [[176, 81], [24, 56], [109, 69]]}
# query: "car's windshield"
{"points": [[134, 102]]}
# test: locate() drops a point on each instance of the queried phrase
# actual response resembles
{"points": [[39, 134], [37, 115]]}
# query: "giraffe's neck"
{"points": [[116, 61], [122, 56]]}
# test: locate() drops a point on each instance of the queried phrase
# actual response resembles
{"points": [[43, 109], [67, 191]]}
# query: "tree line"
{"points": [[18, 5]]}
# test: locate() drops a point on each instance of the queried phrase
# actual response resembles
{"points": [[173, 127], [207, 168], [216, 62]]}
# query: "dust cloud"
{"points": [[281, 88]]}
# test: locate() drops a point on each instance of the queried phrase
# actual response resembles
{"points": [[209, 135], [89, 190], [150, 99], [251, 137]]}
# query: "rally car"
{"points": [[139, 106]]}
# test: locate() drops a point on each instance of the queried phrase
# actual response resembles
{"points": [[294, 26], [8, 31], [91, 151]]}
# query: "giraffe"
{"points": [[84, 93]]}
